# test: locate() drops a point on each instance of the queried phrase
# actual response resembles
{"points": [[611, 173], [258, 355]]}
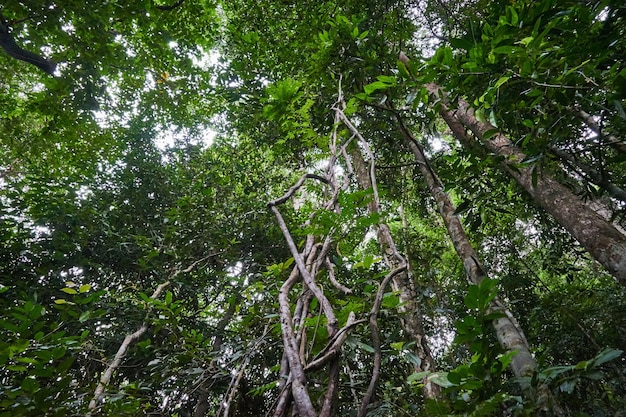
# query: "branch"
{"points": [[332, 349], [121, 352], [376, 340], [592, 175], [14, 50], [333, 279], [306, 276], [295, 188], [593, 125]]}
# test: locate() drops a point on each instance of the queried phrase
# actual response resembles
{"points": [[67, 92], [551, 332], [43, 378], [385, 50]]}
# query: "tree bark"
{"points": [[508, 331], [117, 360], [599, 237], [410, 314]]}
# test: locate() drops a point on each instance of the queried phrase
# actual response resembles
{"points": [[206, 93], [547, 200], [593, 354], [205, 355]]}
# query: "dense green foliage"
{"points": [[106, 232]]}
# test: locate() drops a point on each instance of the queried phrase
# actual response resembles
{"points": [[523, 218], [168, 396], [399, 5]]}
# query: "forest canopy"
{"points": [[294, 208]]}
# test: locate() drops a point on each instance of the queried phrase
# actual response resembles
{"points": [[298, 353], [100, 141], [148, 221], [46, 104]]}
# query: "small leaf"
{"points": [[526, 41], [84, 288], [397, 345], [387, 79], [69, 290], [402, 70], [365, 347], [454, 377], [417, 376], [480, 115], [489, 133], [84, 316], [30, 384], [501, 81], [492, 119], [441, 379]]}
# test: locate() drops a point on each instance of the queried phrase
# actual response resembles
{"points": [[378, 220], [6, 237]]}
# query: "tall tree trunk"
{"points": [[410, 314], [598, 236], [508, 331]]}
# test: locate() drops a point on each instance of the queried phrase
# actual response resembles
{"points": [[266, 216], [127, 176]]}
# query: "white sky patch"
{"points": [[603, 15], [167, 136]]}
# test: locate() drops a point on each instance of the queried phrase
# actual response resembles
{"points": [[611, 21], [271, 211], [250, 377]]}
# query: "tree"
{"points": [[329, 230]]}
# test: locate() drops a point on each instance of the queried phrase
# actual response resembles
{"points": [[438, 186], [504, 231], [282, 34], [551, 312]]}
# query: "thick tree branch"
{"points": [[598, 236], [14, 50]]}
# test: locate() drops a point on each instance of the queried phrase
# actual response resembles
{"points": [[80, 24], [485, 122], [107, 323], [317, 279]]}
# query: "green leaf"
{"points": [[507, 50], [84, 288], [607, 355], [455, 377], [534, 175], [501, 81], [365, 346], [375, 86], [402, 70], [397, 345], [84, 316], [69, 290], [30, 384], [441, 379], [417, 377], [461, 43], [490, 133], [525, 41]]}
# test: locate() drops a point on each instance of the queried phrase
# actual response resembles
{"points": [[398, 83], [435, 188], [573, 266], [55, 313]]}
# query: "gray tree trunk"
{"points": [[508, 331]]}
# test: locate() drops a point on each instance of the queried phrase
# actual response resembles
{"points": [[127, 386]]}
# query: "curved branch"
{"points": [[367, 398], [14, 50]]}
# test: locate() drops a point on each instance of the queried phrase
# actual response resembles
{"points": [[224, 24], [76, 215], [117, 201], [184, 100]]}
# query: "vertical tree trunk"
{"points": [[598, 236], [410, 314], [202, 404]]}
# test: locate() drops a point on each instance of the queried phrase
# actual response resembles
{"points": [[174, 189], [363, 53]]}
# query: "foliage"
{"points": [[94, 216]]}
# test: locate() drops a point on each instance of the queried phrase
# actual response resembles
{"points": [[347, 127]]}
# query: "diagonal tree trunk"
{"points": [[410, 314], [598, 236], [508, 330], [509, 333]]}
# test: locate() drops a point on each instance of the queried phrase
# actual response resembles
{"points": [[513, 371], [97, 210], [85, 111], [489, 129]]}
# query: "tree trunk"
{"points": [[598, 236], [508, 331], [409, 310]]}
